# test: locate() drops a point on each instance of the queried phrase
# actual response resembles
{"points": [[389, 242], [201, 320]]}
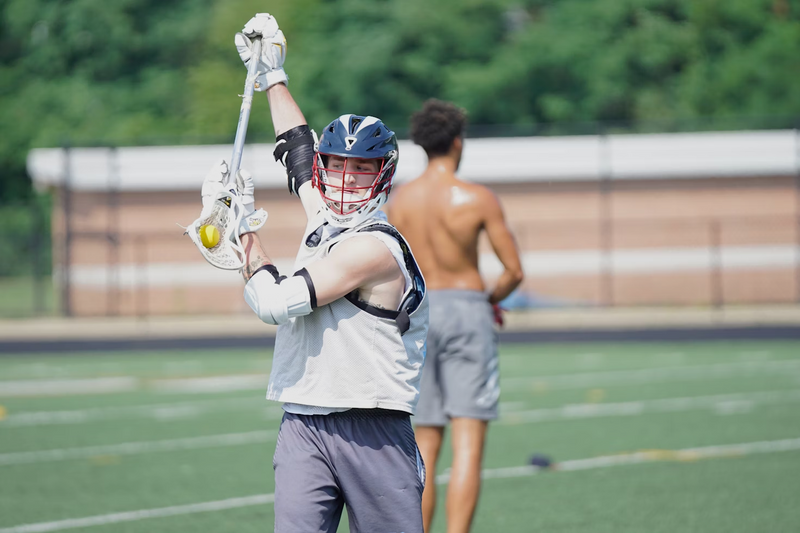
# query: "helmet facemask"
{"points": [[350, 190]]}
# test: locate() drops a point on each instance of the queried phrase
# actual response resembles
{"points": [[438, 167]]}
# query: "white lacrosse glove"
{"points": [[213, 185], [224, 208], [252, 220], [244, 188], [273, 50]]}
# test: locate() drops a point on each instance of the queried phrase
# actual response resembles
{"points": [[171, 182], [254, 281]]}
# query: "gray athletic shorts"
{"points": [[366, 459], [460, 378]]}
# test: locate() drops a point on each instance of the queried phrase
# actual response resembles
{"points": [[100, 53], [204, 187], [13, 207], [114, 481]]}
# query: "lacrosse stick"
{"points": [[227, 212], [244, 111]]}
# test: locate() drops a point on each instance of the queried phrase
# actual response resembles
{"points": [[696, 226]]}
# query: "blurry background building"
{"points": [[701, 219]]}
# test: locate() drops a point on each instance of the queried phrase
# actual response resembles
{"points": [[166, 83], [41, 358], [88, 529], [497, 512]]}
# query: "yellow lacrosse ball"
{"points": [[209, 235]]}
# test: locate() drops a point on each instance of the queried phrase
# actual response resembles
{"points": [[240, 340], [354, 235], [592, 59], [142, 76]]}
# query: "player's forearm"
{"points": [[285, 112], [310, 199], [506, 283], [255, 257]]}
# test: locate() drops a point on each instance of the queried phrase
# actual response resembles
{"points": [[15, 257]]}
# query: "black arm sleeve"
{"points": [[295, 150]]}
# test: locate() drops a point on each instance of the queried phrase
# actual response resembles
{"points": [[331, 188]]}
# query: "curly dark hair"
{"points": [[436, 126]]}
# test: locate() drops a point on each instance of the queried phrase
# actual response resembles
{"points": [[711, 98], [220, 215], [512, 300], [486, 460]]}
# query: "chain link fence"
{"points": [[26, 282]]}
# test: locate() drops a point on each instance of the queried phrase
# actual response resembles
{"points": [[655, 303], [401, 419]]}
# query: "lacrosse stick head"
{"points": [[225, 214]]}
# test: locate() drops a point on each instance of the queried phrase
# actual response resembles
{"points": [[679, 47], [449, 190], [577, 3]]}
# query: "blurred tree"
{"points": [[93, 72], [638, 60], [386, 57], [147, 71], [217, 80], [747, 59]]}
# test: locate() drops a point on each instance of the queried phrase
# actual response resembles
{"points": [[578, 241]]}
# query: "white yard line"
{"points": [[721, 404], [243, 382], [684, 455], [135, 448], [724, 404], [247, 382], [211, 384], [162, 412], [115, 518], [511, 412], [67, 387], [195, 385], [644, 456], [650, 375], [649, 456]]}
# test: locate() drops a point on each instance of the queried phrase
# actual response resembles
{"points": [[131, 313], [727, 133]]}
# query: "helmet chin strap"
{"points": [[351, 220]]}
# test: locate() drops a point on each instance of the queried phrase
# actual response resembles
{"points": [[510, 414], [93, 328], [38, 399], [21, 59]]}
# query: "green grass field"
{"points": [[173, 441]]}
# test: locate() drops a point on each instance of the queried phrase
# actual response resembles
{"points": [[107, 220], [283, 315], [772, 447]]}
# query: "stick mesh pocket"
{"points": [[226, 214]]}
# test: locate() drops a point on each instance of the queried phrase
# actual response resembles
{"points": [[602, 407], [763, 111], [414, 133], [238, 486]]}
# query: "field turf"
{"points": [[653, 437]]}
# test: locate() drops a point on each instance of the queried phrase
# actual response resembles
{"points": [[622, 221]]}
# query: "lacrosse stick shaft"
{"points": [[244, 111]]}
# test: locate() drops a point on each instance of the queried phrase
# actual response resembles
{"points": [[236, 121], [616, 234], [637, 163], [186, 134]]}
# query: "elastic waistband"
{"points": [[458, 294], [359, 413]]}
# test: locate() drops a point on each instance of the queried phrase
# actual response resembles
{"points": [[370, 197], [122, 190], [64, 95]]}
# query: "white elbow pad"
{"points": [[276, 302]]}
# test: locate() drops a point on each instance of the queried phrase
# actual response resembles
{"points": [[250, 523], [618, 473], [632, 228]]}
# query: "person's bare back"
{"points": [[442, 217]]}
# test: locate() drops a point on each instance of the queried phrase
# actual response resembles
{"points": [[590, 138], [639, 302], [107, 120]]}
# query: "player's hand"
{"points": [[252, 220], [498, 311], [273, 50], [262, 25], [213, 184], [246, 190]]}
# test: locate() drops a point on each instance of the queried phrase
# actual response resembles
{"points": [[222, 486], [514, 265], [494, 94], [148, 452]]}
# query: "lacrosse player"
{"points": [[460, 382], [352, 319]]}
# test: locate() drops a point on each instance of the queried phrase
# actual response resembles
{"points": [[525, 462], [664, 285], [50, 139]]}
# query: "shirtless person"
{"points": [[460, 377]]}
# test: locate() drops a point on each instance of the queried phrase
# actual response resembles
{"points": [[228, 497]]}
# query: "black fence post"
{"points": [[37, 242], [796, 224], [606, 225], [141, 296], [797, 213], [717, 283], [66, 274], [112, 234]]}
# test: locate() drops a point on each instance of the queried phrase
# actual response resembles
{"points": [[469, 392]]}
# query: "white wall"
{"points": [[497, 160]]}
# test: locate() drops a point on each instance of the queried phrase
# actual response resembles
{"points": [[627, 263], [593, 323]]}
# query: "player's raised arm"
{"points": [[294, 140], [504, 246]]}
